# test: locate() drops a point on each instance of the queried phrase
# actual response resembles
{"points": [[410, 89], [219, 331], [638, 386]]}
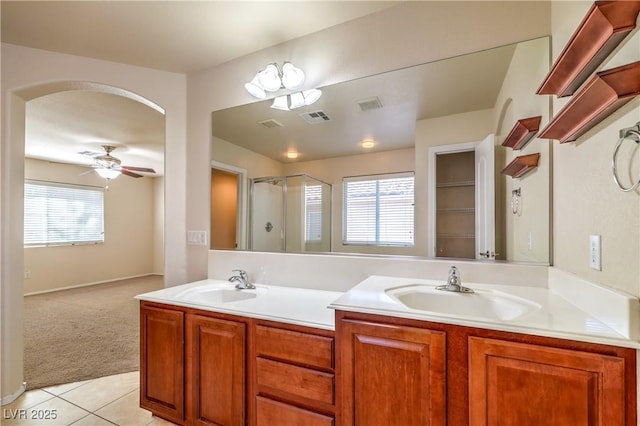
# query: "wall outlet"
{"points": [[595, 247], [530, 241], [27, 274], [197, 238]]}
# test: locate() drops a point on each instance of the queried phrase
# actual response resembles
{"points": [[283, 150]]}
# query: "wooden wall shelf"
{"points": [[601, 96], [522, 133], [606, 24], [521, 165]]}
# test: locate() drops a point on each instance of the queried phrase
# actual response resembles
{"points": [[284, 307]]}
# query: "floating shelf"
{"points": [[606, 24], [521, 165], [522, 133], [601, 96]]}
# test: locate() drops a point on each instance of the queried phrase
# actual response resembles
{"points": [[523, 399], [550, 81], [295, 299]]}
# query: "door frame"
{"points": [[431, 187], [241, 229]]}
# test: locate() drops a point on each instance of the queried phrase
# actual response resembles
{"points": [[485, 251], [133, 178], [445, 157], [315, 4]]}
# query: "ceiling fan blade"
{"points": [[128, 173], [138, 169]]}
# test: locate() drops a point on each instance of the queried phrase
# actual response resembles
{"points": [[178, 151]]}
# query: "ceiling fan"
{"points": [[110, 167]]}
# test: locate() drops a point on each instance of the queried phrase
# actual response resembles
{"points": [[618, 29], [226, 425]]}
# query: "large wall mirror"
{"points": [[302, 180]]}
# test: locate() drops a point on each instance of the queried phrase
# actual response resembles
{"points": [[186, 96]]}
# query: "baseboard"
{"points": [[10, 398], [89, 284]]}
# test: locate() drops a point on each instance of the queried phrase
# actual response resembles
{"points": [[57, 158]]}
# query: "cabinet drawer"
{"points": [[294, 381], [296, 347], [271, 413]]}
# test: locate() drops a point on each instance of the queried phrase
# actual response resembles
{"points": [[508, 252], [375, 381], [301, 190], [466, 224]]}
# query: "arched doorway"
{"points": [[13, 154]]}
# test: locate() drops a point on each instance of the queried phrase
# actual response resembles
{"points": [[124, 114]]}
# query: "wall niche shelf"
{"points": [[522, 133], [521, 165], [603, 94], [606, 24]]}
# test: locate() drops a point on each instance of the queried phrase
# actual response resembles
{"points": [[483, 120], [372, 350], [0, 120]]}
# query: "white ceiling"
{"points": [[178, 36]]}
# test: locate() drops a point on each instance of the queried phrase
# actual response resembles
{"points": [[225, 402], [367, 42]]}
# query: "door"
{"points": [[216, 371], [391, 375], [511, 384], [224, 209], [485, 199], [162, 362]]}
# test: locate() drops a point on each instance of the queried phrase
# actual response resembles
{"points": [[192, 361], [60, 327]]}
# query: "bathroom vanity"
{"points": [[211, 354]]}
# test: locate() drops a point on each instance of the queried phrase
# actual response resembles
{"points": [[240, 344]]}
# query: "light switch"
{"points": [[197, 238]]}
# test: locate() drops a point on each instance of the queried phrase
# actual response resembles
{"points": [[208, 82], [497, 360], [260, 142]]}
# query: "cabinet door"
{"points": [[216, 371], [516, 384], [391, 375], [162, 362]]}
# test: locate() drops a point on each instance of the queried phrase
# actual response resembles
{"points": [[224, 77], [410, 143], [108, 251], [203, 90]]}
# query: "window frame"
{"points": [[377, 242], [45, 239]]}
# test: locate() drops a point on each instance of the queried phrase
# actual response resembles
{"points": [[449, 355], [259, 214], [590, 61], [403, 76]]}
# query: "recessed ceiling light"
{"points": [[368, 143], [292, 154]]}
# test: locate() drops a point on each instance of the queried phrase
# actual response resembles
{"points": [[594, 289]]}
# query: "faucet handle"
{"points": [[243, 274]]}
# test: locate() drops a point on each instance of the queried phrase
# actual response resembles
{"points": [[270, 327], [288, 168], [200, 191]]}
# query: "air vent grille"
{"points": [[370, 103], [315, 117], [270, 123]]}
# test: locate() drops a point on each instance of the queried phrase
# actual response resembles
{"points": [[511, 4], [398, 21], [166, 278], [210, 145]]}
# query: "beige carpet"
{"points": [[84, 333]]}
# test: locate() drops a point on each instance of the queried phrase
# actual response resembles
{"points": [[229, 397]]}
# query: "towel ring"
{"points": [[632, 133]]}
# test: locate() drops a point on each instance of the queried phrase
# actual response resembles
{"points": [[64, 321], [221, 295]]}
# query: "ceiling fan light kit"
{"points": [[274, 79], [109, 167]]}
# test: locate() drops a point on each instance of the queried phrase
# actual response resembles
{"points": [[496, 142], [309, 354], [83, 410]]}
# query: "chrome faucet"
{"points": [[241, 280], [454, 283]]}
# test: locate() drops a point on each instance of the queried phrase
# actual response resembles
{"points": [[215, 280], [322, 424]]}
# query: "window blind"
{"points": [[379, 210], [57, 214], [313, 213]]}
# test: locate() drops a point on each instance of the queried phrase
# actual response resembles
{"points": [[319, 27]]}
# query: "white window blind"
{"points": [[56, 214], [313, 213], [379, 210]]}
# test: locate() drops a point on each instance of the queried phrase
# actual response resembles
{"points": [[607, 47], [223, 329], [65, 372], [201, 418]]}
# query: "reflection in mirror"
{"points": [[390, 123]]}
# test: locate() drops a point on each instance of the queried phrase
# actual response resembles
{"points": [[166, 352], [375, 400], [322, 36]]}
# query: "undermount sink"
{"points": [[489, 304], [218, 293]]}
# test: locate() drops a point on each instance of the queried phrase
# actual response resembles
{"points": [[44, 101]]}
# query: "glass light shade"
{"points": [[254, 88], [107, 173], [292, 154], [269, 78], [297, 100], [280, 103], [292, 77], [368, 143], [311, 96]]}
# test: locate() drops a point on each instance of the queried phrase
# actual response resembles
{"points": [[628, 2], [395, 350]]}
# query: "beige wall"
{"points": [[518, 100], [128, 249], [585, 200]]}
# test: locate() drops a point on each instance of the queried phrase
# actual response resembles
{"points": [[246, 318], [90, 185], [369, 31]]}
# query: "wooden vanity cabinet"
{"points": [[215, 370], [389, 370], [193, 365], [162, 362], [293, 379]]}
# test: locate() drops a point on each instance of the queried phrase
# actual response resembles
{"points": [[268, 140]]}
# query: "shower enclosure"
{"points": [[290, 214]]}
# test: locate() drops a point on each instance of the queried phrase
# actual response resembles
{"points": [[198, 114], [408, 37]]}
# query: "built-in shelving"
{"points": [[522, 133], [521, 165], [455, 184], [606, 24], [601, 96]]}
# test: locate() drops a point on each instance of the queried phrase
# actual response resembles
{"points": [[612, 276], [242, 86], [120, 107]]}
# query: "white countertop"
{"points": [[289, 305], [556, 317]]}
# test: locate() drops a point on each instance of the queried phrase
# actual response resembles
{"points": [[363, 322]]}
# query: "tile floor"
{"points": [[110, 400]]}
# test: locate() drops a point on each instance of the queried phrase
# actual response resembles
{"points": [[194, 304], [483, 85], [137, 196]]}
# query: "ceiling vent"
{"points": [[370, 103], [270, 123], [315, 117]]}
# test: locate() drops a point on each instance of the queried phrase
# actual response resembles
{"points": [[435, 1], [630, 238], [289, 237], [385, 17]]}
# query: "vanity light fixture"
{"points": [[289, 77]]}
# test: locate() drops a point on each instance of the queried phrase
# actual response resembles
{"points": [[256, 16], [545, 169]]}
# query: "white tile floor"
{"points": [[110, 400]]}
